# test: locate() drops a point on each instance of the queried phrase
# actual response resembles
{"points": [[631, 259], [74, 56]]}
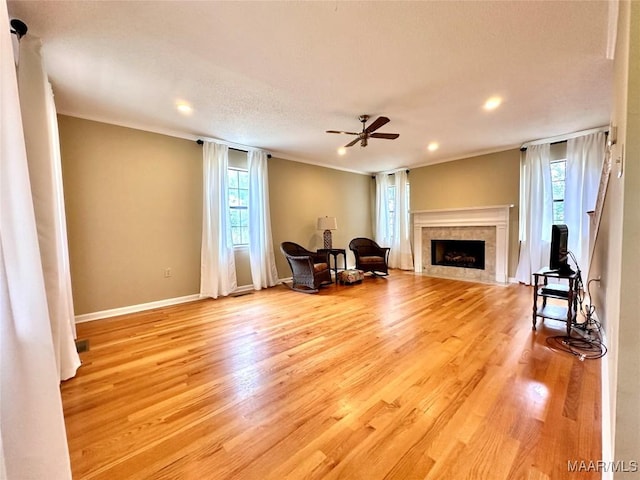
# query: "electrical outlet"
{"points": [[167, 272]]}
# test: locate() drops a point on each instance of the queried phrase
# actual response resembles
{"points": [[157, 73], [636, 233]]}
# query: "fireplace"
{"points": [[487, 224], [458, 253]]}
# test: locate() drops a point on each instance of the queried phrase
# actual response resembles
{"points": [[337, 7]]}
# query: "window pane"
{"points": [[557, 170], [244, 217], [244, 231], [236, 235], [243, 179], [558, 212], [233, 178], [243, 197], [233, 198], [234, 216], [558, 190]]}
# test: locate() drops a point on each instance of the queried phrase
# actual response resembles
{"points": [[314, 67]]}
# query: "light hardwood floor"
{"points": [[407, 377]]}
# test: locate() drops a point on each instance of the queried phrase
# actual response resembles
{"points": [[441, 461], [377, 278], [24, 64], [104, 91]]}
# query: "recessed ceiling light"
{"points": [[184, 108], [492, 103], [433, 146], [342, 151]]}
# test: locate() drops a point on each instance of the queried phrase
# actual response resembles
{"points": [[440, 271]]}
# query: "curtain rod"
{"points": [[524, 149], [407, 170], [201, 142], [563, 138]]}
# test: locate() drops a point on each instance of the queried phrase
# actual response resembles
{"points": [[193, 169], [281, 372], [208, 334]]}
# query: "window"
{"points": [[239, 206], [391, 206], [558, 168]]}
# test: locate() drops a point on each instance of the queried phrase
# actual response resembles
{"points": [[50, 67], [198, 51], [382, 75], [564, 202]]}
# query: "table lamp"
{"points": [[327, 224]]}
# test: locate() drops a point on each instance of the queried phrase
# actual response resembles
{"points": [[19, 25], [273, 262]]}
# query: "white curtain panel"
{"points": [[218, 268], [538, 213], [45, 172], [585, 156], [263, 263], [400, 255], [382, 233], [34, 443]]}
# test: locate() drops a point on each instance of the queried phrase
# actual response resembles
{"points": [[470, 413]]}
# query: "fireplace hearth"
{"points": [[458, 253]]}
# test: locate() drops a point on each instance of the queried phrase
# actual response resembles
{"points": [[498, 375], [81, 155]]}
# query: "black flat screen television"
{"points": [[559, 257]]}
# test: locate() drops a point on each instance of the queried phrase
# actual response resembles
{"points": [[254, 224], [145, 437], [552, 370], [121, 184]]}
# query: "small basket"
{"points": [[349, 277]]}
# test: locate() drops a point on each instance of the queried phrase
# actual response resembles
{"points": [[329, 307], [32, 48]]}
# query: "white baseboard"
{"points": [[605, 411], [114, 312], [607, 450]]}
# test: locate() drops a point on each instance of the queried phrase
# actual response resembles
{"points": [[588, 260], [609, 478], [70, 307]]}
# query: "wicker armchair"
{"points": [[310, 269], [370, 257]]}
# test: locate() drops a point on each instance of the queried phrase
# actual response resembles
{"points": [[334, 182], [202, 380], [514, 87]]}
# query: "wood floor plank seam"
{"points": [[398, 378]]}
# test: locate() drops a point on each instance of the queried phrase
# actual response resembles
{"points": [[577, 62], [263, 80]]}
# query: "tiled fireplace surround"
{"points": [[490, 224]]}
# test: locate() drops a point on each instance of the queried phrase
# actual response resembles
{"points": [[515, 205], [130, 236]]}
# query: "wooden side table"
{"points": [[542, 289], [334, 252]]}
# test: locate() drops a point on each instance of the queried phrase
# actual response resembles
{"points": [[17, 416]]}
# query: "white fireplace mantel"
{"points": [[497, 216]]}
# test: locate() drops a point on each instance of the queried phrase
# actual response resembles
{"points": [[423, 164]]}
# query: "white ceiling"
{"points": [[276, 75]]}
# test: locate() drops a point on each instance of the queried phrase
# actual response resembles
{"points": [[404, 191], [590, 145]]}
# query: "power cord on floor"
{"points": [[583, 348], [589, 345]]}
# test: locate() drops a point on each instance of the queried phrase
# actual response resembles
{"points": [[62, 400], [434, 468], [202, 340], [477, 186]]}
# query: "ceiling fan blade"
{"points": [[388, 136], [343, 133], [377, 123], [351, 144]]}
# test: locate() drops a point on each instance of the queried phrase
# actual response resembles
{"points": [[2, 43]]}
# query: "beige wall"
{"points": [[627, 439], [486, 180], [133, 202], [134, 209], [301, 193], [616, 257]]}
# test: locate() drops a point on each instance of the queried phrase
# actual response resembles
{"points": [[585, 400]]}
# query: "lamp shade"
{"points": [[327, 223]]}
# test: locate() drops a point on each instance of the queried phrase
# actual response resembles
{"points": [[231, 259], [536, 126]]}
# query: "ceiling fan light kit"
{"points": [[368, 132]]}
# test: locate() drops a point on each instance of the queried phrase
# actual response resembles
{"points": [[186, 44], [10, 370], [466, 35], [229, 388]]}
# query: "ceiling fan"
{"points": [[368, 132]]}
